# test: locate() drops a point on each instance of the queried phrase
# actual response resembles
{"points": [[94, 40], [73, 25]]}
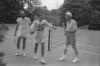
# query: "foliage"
{"points": [[1, 59], [81, 12], [95, 15], [3, 30], [9, 10], [95, 20], [94, 3]]}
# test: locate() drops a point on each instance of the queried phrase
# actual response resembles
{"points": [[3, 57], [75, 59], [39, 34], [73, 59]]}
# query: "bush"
{"points": [[1, 59], [81, 12], [95, 20], [3, 30]]}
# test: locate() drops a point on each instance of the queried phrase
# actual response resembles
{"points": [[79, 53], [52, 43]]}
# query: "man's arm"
{"points": [[32, 28], [16, 28], [64, 26], [51, 26], [29, 21]]}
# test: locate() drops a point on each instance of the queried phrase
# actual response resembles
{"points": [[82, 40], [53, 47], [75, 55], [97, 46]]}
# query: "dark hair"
{"points": [[22, 12]]}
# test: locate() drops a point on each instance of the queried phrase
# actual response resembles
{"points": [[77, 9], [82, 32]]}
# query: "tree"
{"points": [[81, 11], [94, 3], [2, 63], [9, 9], [95, 15], [33, 8]]}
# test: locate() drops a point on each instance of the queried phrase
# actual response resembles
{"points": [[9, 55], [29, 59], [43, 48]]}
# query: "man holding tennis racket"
{"points": [[38, 27], [21, 31], [70, 31]]}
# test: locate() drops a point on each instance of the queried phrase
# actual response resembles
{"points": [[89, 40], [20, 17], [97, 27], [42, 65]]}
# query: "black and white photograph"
{"points": [[49, 32]]}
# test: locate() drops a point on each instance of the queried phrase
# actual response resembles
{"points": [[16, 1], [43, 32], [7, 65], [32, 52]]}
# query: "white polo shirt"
{"points": [[71, 26], [39, 28], [23, 28]]}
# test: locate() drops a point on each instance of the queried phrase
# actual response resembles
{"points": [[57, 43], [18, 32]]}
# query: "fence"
{"points": [[55, 19]]}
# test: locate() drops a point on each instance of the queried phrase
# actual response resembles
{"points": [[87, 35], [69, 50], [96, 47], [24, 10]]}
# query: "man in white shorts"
{"points": [[70, 31], [21, 31], [38, 27]]}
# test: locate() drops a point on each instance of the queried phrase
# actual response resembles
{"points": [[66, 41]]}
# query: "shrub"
{"points": [[3, 30]]}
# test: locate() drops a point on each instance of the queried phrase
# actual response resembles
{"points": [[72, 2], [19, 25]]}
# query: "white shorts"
{"points": [[19, 34], [39, 37]]}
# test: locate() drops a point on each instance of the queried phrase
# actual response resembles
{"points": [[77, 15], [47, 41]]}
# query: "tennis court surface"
{"points": [[88, 44]]}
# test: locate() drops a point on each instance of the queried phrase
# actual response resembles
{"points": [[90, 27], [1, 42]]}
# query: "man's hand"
{"points": [[54, 27], [32, 32]]}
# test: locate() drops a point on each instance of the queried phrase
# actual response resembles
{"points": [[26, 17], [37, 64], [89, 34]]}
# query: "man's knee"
{"points": [[24, 38], [42, 45], [73, 46], [67, 43], [19, 40], [19, 37], [36, 44]]}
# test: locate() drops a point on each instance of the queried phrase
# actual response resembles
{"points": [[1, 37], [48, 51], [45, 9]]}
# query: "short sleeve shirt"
{"points": [[71, 26], [38, 26], [23, 25], [35, 25]]}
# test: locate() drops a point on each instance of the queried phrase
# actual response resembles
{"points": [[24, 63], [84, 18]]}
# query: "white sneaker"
{"points": [[75, 60], [42, 61], [35, 58], [24, 54], [17, 54], [62, 58]]}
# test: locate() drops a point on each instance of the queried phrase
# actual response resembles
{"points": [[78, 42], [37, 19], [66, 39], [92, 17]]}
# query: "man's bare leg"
{"points": [[18, 45], [35, 51], [24, 46], [67, 42], [42, 53], [76, 59]]}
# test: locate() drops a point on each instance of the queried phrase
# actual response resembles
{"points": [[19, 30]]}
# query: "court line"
{"points": [[63, 47], [60, 42], [78, 50], [82, 51], [77, 44], [64, 41]]}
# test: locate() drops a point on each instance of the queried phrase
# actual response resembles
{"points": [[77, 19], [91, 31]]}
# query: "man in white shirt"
{"points": [[70, 31], [22, 30], [38, 27]]}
